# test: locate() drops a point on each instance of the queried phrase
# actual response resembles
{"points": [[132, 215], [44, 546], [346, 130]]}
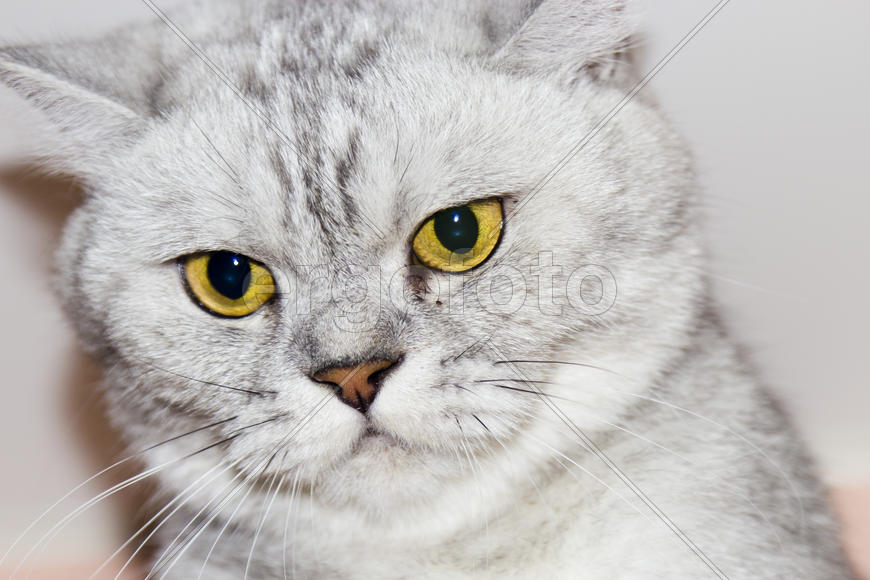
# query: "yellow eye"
{"points": [[228, 284], [459, 238]]}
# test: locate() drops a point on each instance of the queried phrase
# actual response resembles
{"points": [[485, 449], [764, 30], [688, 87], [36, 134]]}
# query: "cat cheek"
{"points": [[311, 432]]}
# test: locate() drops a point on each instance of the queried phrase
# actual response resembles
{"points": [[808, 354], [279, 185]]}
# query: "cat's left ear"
{"points": [[566, 38], [87, 126]]}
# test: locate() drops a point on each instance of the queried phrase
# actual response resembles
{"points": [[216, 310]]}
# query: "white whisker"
{"points": [[263, 519], [290, 505], [590, 474], [50, 534], [169, 560], [96, 476], [483, 509], [181, 498], [144, 542], [755, 448]]}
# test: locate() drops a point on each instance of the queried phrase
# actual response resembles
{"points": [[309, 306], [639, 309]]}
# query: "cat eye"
{"points": [[459, 238], [227, 284]]}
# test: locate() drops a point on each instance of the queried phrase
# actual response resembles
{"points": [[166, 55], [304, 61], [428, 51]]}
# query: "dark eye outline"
{"points": [[418, 261], [182, 267]]}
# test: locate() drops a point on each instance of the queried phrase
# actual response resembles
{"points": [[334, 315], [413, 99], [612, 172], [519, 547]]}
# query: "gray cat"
{"points": [[385, 289]]}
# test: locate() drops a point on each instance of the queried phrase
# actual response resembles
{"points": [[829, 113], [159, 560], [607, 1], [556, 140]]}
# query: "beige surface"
{"points": [[853, 504]]}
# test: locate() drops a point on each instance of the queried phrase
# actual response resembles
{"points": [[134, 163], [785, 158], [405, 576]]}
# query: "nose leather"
{"points": [[355, 384]]}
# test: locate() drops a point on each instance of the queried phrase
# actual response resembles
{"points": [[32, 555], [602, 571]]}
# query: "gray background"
{"points": [[773, 97]]}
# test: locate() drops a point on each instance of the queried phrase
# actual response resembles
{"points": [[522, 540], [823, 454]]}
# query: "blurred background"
{"points": [[773, 97]]}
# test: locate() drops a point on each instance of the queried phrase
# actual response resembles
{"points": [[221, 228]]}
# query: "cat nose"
{"points": [[356, 385]]}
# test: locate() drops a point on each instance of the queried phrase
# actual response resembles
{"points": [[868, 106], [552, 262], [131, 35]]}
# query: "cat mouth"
{"points": [[374, 438], [373, 432]]}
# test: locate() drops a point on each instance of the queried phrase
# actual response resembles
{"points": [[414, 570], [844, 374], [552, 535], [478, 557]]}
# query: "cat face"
{"points": [[323, 170]]}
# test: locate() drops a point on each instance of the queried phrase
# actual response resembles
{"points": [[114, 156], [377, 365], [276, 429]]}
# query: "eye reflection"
{"points": [[457, 229], [229, 274]]}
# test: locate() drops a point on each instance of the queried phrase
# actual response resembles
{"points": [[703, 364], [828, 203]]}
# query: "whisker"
{"points": [[180, 548], [263, 520], [495, 382], [483, 509], [528, 476], [558, 362], [590, 474], [470, 347], [296, 509], [176, 557], [191, 432], [51, 533], [173, 551], [103, 472], [262, 393], [224, 501], [734, 490], [481, 422], [157, 516], [407, 166], [290, 506], [626, 480], [315, 551], [260, 424], [755, 448], [228, 169]]}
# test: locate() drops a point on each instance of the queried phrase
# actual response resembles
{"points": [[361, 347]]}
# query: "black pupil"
{"points": [[229, 274], [457, 229]]}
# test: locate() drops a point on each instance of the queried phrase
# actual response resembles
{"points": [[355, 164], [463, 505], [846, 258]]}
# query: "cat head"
{"points": [[329, 152]]}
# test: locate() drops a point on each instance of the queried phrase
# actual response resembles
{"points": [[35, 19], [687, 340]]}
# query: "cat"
{"points": [[391, 289]]}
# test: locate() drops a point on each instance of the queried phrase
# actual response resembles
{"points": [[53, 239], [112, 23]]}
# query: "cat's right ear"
{"points": [[565, 39], [84, 126]]}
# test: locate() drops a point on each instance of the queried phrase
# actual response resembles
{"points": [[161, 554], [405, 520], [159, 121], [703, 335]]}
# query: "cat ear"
{"points": [[85, 126], [567, 38]]}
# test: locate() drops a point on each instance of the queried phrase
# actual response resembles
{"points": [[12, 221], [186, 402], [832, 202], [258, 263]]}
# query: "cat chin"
{"points": [[374, 440], [380, 478]]}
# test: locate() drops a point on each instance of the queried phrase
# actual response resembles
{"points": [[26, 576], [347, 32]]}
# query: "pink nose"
{"points": [[356, 385]]}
